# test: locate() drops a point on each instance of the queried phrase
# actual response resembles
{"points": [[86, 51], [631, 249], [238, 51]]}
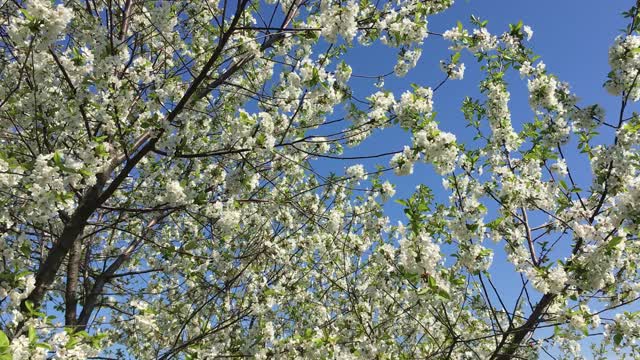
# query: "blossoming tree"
{"points": [[160, 199]]}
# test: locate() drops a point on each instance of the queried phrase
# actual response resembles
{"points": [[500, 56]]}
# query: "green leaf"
{"points": [[85, 172], [26, 14], [455, 58], [443, 293], [432, 282], [401, 202], [57, 159], [472, 227], [614, 242], [5, 353], [485, 252], [72, 342], [563, 184], [32, 335], [101, 150], [101, 138], [617, 339], [25, 249], [191, 245], [29, 305]]}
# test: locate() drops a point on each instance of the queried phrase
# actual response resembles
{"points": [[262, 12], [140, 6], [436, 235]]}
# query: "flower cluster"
{"points": [[454, 71], [419, 255], [414, 106], [624, 60], [438, 147], [402, 163]]}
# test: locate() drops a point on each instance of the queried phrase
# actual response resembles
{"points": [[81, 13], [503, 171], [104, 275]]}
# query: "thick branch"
{"points": [[71, 291], [92, 298], [519, 334], [72, 229]]}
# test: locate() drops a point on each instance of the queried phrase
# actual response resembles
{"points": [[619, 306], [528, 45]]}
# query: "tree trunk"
{"points": [[71, 291]]}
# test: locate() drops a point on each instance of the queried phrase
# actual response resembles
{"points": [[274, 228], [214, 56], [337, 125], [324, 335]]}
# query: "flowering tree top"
{"points": [[160, 200]]}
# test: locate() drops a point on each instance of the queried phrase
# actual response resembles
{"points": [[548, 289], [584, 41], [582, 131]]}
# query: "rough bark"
{"points": [[71, 290], [512, 340]]}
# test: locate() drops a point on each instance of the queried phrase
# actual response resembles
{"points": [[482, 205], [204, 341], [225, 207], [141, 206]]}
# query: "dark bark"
{"points": [[520, 333], [71, 291], [92, 297], [72, 229], [103, 279]]}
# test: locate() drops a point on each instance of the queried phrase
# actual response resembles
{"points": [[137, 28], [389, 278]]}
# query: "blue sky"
{"points": [[572, 37]]}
